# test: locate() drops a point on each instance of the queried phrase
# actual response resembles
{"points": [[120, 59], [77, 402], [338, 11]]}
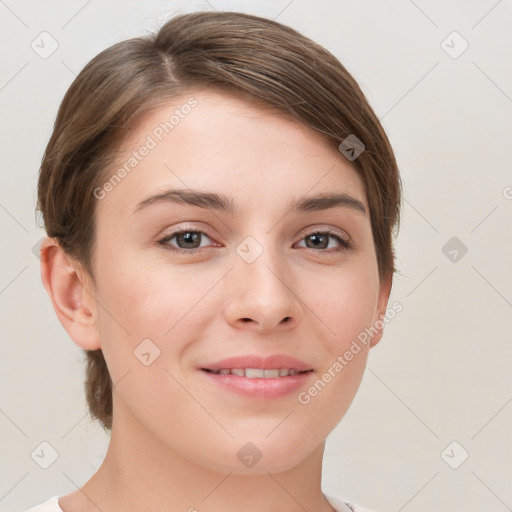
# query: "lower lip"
{"points": [[260, 388]]}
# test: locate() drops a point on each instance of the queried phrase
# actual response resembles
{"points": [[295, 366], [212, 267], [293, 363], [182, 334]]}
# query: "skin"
{"points": [[175, 436]]}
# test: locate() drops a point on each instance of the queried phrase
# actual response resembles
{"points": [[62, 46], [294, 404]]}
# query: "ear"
{"points": [[382, 303], [71, 293]]}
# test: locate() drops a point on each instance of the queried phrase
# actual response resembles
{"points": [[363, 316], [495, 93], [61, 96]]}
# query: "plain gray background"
{"points": [[441, 374]]}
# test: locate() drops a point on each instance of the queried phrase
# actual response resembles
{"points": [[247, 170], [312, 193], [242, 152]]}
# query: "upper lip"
{"points": [[263, 362]]}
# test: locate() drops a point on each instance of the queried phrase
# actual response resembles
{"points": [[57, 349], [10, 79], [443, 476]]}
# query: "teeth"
{"points": [[253, 373], [258, 373]]}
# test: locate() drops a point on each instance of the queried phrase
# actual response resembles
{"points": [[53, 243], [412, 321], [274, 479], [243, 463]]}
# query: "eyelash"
{"points": [[344, 243]]}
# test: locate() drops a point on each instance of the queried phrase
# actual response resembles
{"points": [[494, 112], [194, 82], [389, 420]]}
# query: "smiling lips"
{"points": [[259, 377], [273, 362], [258, 373]]}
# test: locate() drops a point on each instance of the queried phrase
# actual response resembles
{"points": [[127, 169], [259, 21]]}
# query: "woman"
{"points": [[220, 201]]}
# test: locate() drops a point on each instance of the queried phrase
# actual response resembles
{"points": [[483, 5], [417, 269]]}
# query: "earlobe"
{"points": [[73, 302], [382, 303]]}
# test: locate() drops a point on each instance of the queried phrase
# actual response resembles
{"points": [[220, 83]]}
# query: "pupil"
{"points": [[317, 237], [190, 237]]}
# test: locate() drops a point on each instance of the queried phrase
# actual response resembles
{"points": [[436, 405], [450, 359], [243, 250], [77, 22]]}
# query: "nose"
{"points": [[262, 295]]}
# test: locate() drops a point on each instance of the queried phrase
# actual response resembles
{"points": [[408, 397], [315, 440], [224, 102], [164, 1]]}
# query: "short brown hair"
{"points": [[239, 53]]}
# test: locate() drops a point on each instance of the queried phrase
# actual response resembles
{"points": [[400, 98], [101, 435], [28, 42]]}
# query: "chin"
{"points": [[260, 457]]}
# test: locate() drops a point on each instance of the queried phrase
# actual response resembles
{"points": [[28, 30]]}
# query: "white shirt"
{"points": [[52, 505]]}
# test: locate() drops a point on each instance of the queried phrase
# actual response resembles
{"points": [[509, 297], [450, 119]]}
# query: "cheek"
{"points": [[346, 309], [133, 302], [149, 302], [345, 302], [144, 330]]}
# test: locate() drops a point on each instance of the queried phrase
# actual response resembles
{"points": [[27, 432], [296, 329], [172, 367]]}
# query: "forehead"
{"points": [[220, 142]]}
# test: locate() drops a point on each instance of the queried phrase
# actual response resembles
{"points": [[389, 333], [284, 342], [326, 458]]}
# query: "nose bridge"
{"points": [[261, 289], [258, 261]]}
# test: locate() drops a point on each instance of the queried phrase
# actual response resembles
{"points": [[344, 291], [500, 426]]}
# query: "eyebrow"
{"points": [[223, 203]]}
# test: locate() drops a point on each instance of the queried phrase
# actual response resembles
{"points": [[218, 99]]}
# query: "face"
{"points": [[188, 281]]}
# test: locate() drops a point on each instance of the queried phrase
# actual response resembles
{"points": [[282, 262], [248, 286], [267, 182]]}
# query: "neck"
{"points": [[139, 473]]}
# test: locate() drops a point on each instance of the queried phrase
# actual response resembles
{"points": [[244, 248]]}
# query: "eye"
{"points": [[321, 240], [187, 240], [190, 241]]}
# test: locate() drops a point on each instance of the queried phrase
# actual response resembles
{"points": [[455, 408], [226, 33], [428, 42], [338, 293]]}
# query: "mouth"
{"points": [[260, 378], [257, 373]]}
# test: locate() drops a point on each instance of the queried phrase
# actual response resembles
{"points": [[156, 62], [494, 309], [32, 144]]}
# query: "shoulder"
{"points": [[357, 508], [345, 506], [51, 505]]}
